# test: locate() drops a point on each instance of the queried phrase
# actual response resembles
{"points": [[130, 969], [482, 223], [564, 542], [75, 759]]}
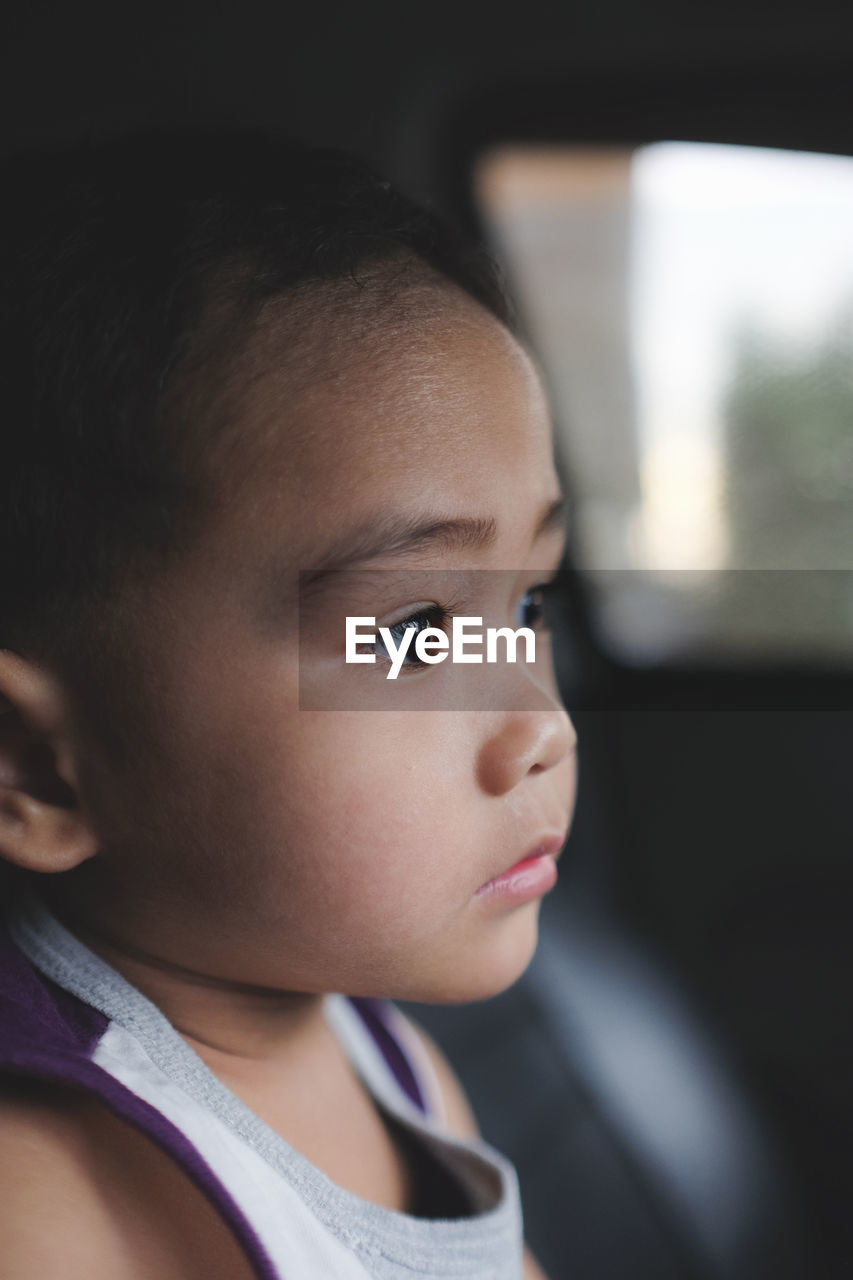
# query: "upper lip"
{"points": [[550, 843], [547, 844]]}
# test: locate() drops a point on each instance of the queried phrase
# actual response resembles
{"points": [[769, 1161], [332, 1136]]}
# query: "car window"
{"points": [[692, 305]]}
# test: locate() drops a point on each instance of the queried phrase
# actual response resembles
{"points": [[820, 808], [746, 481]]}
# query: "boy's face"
{"points": [[341, 850]]}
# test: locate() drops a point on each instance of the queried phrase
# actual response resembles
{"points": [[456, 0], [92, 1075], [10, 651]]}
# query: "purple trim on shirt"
{"points": [[373, 1013], [31, 1003], [47, 1033]]}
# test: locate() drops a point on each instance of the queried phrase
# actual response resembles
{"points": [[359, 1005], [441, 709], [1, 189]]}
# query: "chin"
{"points": [[492, 964]]}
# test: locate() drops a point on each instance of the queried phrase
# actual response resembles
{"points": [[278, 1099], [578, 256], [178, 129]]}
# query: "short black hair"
{"points": [[113, 254]]}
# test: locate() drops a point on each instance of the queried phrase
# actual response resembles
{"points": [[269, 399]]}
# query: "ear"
{"points": [[42, 827]]}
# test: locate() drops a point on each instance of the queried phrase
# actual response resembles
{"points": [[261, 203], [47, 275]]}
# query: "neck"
{"points": [[225, 1022]]}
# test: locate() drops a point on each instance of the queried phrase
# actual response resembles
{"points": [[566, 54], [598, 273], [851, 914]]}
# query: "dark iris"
{"points": [[537, 607], [435, 617]]}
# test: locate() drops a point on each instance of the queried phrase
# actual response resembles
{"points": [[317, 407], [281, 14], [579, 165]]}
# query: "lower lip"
{"points": [[528, 879]]}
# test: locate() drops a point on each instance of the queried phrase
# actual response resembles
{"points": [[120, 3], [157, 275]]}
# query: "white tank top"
{"points": [[306, 1225]]}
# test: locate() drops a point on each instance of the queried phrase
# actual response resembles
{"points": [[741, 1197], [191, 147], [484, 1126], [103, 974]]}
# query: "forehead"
{"points": [[422, 397]]}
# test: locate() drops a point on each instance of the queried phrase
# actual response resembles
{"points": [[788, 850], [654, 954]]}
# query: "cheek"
{"points": [[371, 813]]}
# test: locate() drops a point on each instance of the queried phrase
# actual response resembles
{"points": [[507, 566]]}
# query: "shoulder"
{"points": [[53, 1218], [83, 1195]]}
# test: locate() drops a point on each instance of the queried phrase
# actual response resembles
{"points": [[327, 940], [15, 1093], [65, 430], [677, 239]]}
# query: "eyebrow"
{"points": [[396, 534]]}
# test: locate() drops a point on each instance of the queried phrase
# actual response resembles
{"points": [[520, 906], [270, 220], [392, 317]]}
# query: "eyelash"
{"points": [[442, 616]]}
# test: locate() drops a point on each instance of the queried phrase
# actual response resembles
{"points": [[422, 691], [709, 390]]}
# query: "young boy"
{"points": [[229, 360]]}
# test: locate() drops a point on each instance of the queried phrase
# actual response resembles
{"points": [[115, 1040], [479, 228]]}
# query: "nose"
{"points": [[525, 742]]}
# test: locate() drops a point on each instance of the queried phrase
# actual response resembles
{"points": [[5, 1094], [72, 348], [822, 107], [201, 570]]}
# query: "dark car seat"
{"points": [[640, 1154]]}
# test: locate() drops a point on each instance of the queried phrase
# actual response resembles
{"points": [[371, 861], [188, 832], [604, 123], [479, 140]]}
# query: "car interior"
{"points": [[668, 190]]}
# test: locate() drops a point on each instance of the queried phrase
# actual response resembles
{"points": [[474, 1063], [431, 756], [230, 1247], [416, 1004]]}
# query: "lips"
{"points": [[549, 845], [522, 871]]}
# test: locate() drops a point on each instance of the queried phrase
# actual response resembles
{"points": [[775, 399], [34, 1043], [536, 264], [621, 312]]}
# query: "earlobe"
{"points": [[38, 836], [42, 827]]}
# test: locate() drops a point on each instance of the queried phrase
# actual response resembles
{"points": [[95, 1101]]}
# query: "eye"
{"points": [[434, 616], [533, 608]]}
